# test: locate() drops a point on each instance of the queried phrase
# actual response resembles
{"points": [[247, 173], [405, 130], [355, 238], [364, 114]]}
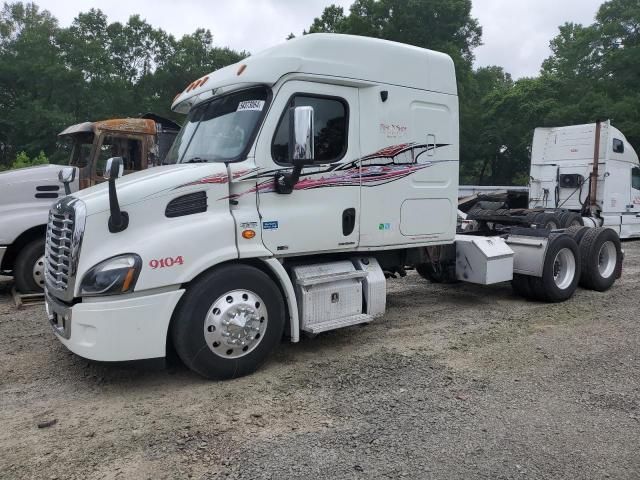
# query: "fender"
{"points": [[15, 223], [287, 287]]}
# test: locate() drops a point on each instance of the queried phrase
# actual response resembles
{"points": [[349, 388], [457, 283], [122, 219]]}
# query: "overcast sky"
{"points": [[516, 32]]}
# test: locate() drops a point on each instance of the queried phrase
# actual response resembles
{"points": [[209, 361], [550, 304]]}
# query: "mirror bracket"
{"points": [[118, 220], [301, 146], [286, 181]]}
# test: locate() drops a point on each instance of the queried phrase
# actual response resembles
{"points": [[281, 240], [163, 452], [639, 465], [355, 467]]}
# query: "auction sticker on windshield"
{"points": [[256, 105]]}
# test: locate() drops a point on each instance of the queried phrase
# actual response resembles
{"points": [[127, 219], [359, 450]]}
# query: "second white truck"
{"points": [[580, 175], [303, 177]]}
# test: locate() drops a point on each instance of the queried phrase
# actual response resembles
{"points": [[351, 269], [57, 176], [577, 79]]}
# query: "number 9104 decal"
{"points": [[166, 262]]}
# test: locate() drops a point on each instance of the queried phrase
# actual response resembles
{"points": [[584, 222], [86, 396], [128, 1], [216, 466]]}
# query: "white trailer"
{"points": [[303, 178]]}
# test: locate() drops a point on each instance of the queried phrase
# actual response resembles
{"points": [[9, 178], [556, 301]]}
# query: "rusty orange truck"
{"points": [[27, 194]]}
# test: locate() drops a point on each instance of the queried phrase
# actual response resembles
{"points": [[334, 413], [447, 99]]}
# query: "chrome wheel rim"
{"points": [[235, 324], [564, 268], [607, 259], [38, 272]]}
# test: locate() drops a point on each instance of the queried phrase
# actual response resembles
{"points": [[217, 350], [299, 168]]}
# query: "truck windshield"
{"points": [[81, 152], [220, 130]]}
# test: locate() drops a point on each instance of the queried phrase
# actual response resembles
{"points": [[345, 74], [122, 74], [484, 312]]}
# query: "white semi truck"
{"points": [[303, 177], [26, 194], [580, 175]]}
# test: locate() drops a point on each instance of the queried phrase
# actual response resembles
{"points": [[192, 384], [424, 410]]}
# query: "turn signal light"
{"points": [[248, 234]]}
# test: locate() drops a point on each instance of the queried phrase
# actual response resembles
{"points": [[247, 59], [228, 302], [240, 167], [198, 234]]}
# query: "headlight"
{"points": [[112, 277]]}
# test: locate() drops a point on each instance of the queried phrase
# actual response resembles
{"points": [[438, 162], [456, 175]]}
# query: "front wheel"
{"points": [[28, 270], [228, 322]]}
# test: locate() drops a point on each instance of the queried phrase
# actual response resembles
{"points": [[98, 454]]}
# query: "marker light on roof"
{"points": [[241, 69], [198, 83]]}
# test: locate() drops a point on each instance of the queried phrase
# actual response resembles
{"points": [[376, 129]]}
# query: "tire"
{"points": [[577, 233], [548, 221], [571, 219], [444, 275], [197, 330], [562, 216], [561, 271], [521, 287], [601, 251], [28, 270], [530, 217]]}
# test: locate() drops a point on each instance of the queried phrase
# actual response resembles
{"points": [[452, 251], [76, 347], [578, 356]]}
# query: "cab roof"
{"points": [[335, 58], [125, 125]]}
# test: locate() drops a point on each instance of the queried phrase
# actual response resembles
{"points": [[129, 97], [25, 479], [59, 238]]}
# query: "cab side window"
{"points": [[330, 129], [129, 149], [635, 178]]}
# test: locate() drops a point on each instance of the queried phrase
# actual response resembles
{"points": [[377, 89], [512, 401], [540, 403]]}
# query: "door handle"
{"points": [[348, 221], [431, 145]]}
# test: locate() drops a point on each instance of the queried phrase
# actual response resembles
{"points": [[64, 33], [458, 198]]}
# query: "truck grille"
{"points": [[58, 252], [64, 235]]}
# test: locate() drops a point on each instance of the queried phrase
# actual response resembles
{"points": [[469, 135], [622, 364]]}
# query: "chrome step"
{"points": [[338, 323]]}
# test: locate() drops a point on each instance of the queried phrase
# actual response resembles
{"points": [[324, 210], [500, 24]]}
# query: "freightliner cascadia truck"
{"points": [[27, 194], [303, 177]]}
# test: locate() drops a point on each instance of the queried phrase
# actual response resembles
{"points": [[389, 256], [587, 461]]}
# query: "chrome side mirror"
{"points": [[301, 135], [114, 168], [66, 176]]}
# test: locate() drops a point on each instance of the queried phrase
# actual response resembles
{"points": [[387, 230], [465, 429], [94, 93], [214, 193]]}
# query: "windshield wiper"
{"points": [[196, 160]]}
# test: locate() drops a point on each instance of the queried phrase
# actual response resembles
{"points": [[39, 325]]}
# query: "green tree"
{"points": [[192, 57], [33, 80], [481, 143], [52, 77], [22, 160], [443, 25], [591, 74]]}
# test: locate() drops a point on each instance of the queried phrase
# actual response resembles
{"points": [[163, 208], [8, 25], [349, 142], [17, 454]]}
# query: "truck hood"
{"points": [[26, 195], [156, 182], [39, 173]]}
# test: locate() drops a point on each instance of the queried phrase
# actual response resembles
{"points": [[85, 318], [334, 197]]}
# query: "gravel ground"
{"points": [[454, 382]]}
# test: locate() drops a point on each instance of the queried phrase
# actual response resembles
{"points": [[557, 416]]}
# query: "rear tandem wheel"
{"points": [[560, 273]]}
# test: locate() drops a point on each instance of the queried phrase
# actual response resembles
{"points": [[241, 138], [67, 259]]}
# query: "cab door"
{"points": [[630, 219], [635, 190], [322, 212]]}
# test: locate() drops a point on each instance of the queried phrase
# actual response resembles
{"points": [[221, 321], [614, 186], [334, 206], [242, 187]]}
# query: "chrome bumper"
{"points": [[59, 316]]}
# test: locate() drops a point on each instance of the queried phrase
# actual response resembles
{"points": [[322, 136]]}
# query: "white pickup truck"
{"points": [[303, 177]]}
